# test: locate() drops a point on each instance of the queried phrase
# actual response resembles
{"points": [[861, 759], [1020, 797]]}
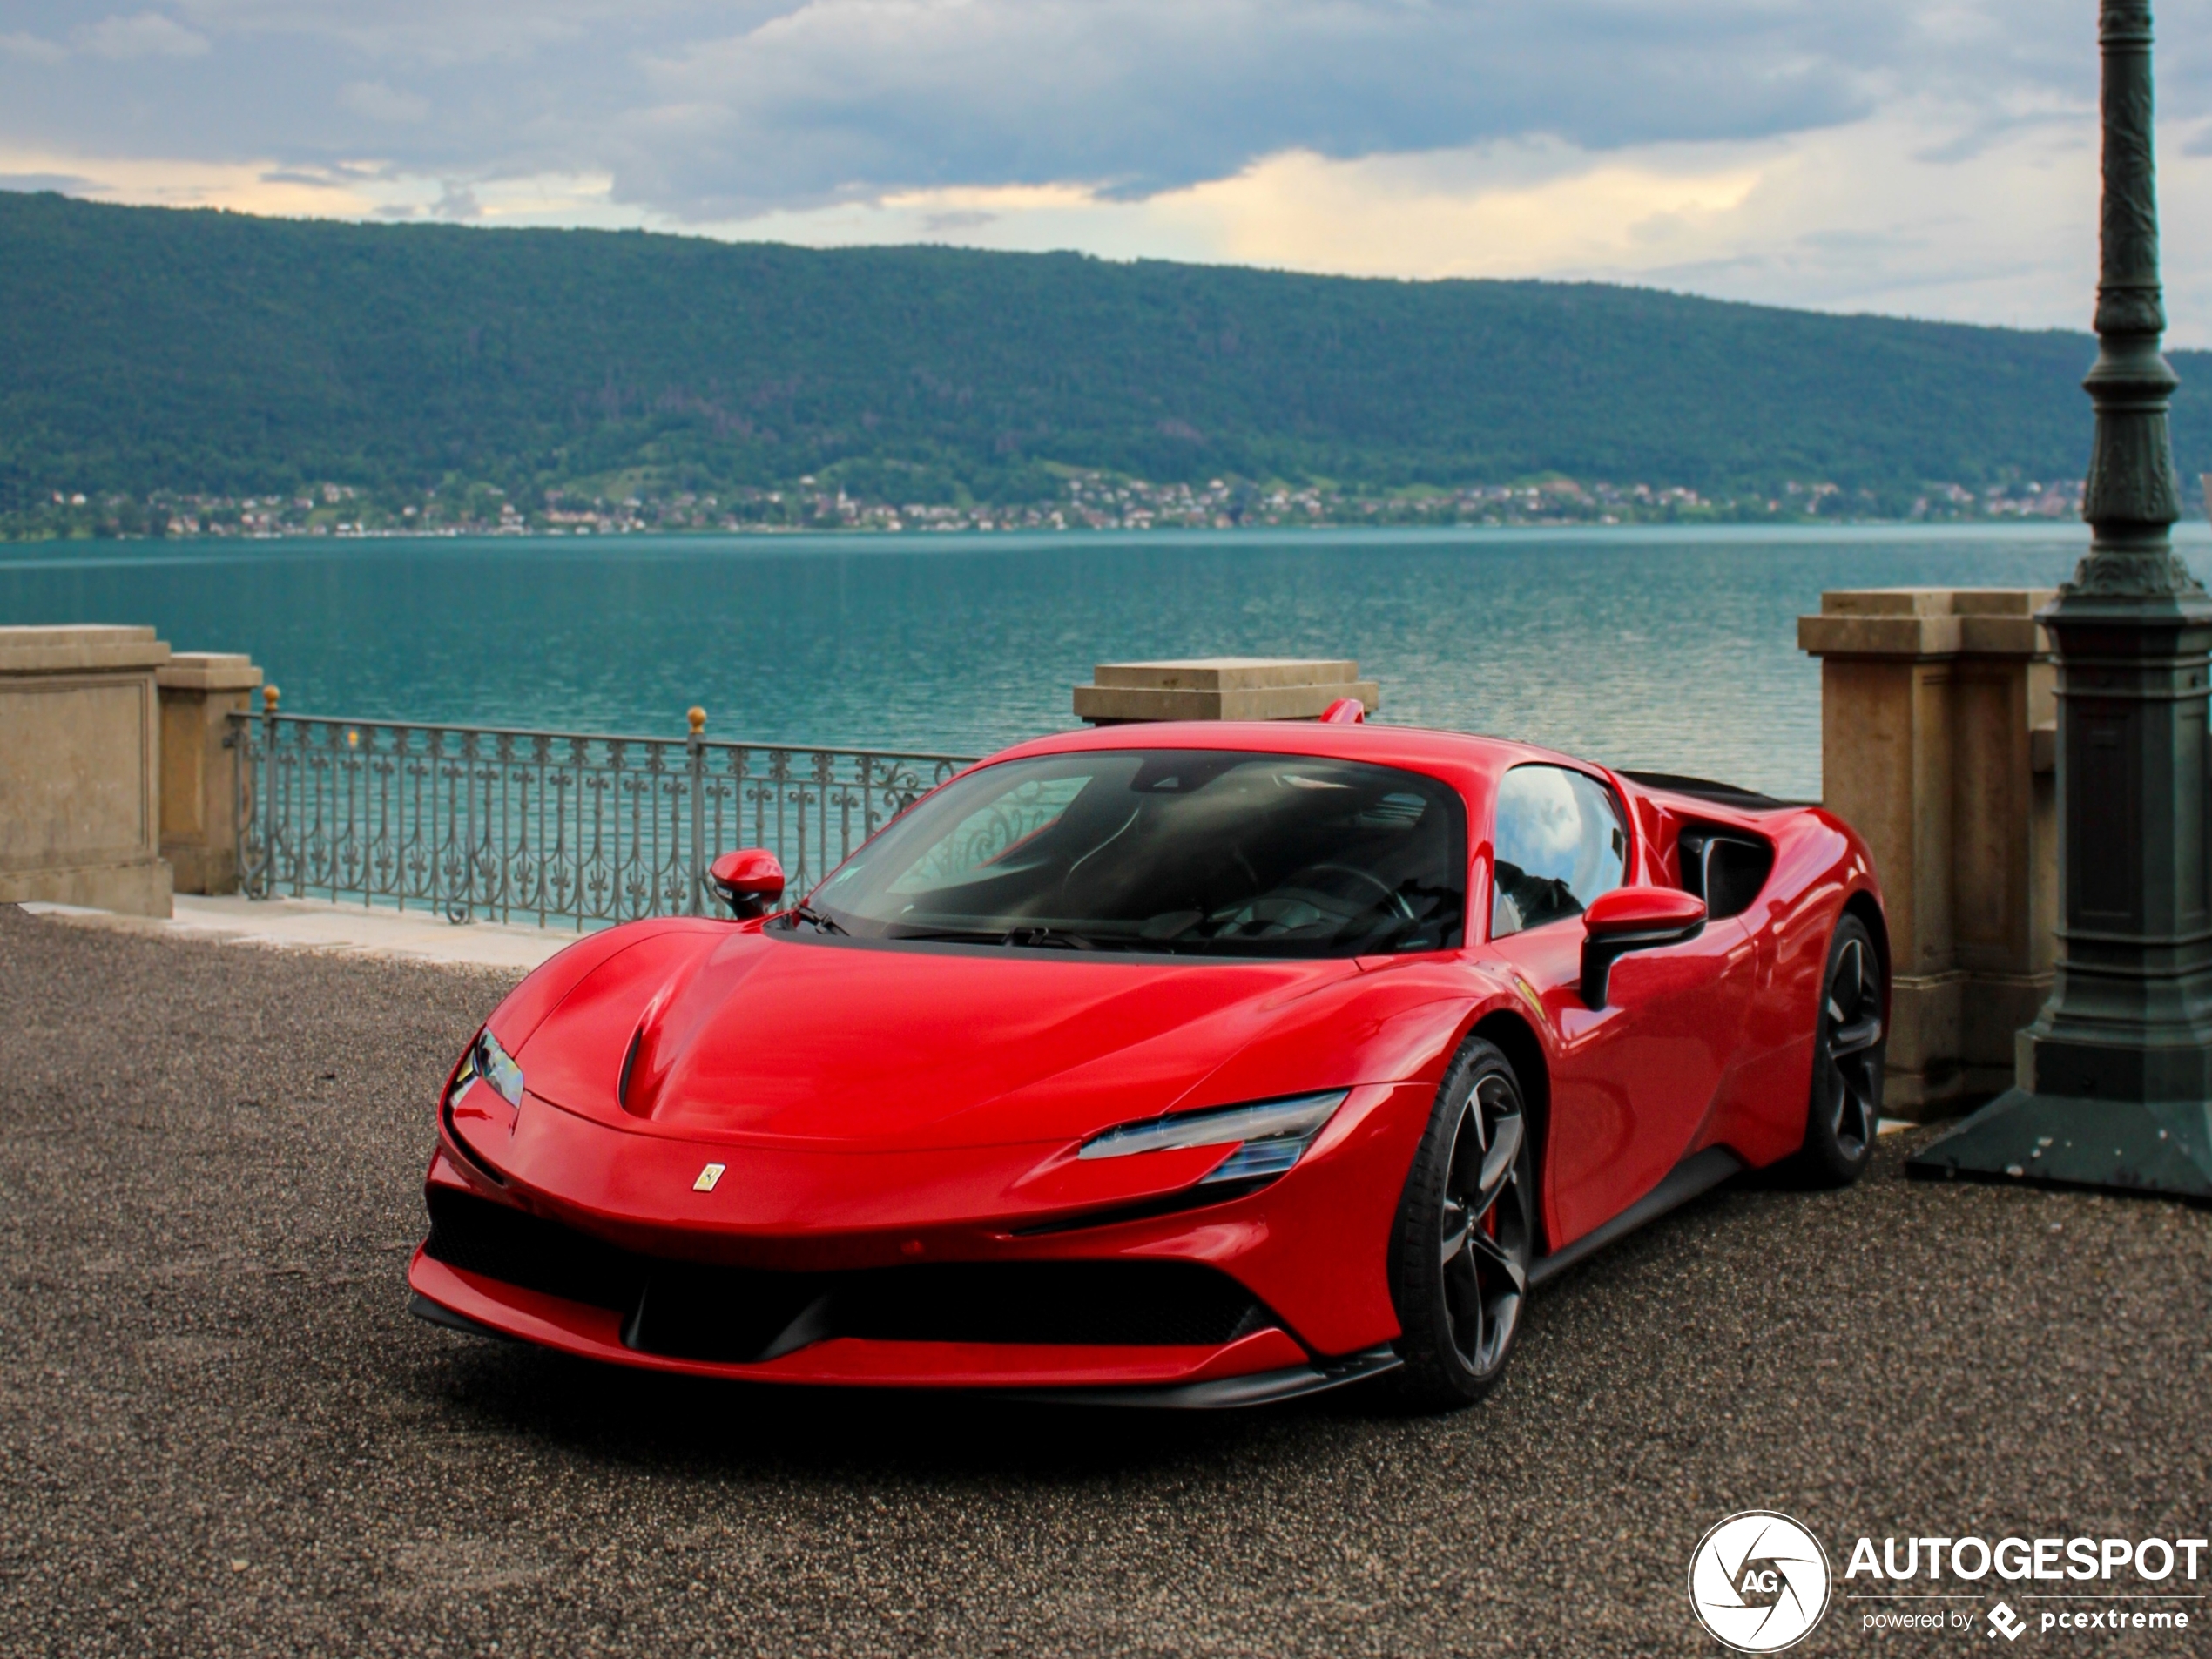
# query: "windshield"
{"points": [[1190, 851]]}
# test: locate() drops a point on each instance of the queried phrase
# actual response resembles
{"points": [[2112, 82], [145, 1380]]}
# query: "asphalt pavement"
{"points": [[220, 1433]]}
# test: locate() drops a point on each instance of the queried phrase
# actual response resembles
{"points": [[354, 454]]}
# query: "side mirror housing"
{"points": [[1633, 919], [750, 881]]}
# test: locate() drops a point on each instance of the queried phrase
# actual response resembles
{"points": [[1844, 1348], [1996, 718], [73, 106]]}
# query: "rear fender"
{"points": [[1820, 867]]}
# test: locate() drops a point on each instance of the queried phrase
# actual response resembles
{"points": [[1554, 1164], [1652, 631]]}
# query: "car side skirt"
{"points": [[1699, 1172]]}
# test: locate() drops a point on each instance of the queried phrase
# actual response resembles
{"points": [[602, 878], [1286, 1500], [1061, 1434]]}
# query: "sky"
{"points": [[1921, 157]]}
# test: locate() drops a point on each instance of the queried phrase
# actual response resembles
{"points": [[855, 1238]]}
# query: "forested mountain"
{"points": [[146, 349]]}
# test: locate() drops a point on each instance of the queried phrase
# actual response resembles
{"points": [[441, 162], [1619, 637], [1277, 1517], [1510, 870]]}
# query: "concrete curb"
{"points": [[331, 929]]}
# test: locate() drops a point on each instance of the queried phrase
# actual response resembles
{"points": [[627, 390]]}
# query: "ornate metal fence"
{"points": [[550, 827]]}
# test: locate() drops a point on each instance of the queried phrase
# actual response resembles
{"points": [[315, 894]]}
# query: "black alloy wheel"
{"points": [[1465, 1234], [1850, 1042]]}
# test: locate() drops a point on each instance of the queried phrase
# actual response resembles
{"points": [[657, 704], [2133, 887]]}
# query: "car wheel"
{"points": [[1465, 1235], [1848, 1045]]}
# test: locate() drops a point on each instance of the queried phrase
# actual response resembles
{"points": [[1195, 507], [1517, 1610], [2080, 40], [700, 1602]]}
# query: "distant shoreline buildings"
{"points": [[1088, 500]]}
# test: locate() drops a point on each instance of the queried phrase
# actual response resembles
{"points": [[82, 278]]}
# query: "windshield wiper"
{"points": [[1059, 938], [817, 920], [1023, 938]]}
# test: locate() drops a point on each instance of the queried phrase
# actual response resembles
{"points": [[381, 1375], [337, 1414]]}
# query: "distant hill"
{"points": [[144, 348]]}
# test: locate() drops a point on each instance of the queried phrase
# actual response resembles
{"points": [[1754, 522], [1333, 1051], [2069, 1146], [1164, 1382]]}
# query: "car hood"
{"points": [[771, 1039]]}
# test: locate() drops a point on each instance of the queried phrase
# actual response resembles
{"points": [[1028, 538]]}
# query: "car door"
{"points": [[1634, 1081]]}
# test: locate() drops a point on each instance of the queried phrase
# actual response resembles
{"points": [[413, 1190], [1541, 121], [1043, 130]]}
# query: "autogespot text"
{"points": [[2151, 1560], [2159, 1561]]}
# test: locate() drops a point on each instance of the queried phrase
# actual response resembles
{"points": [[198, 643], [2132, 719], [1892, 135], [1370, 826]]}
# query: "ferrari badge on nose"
{"points": [[708, 1176]]}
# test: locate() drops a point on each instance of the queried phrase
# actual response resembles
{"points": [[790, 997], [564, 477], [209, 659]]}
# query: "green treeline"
{"points": [[145, 349]]}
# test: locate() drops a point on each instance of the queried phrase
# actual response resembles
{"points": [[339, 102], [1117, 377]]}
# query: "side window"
{"points": [[1559, 842]]}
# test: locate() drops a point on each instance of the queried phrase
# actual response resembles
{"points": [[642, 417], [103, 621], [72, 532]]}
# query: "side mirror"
{"points": [[1633, 919], [750, 881]]}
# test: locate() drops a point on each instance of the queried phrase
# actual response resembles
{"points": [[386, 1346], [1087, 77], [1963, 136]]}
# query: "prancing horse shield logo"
{"points": [[708, 1176]]}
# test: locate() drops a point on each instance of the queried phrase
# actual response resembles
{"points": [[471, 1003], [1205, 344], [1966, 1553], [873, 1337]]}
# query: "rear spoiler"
{"points": [[1742, 801]]}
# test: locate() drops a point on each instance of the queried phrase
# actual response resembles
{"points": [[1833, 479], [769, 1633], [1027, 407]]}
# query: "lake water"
{"points": [[1667, 648]]}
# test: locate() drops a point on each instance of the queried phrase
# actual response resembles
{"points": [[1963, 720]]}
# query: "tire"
{"points": [[1465, 1235], [1849, 1043]]}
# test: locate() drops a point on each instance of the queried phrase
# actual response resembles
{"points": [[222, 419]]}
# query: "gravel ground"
{"points": [[220, 1434]]}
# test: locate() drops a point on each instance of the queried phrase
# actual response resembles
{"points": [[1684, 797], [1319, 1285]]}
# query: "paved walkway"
{"points": [[220, 1434], [351, 930]]}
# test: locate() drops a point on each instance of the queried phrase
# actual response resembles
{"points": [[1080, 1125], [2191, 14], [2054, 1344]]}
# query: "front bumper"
{"points": [[872, 1270]]}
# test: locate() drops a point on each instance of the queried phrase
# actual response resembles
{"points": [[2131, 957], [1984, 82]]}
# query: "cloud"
{"points": [[67, 183], [381, 102], [709, 109], [146, 35], [456, 201], [1859, 216], [955, 219], [852, 98], [1891, 153], [482, 33], [30, 49]]}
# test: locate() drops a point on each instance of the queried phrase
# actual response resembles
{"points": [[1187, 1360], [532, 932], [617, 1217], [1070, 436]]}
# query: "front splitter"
{"points": [[1259, 1388]]}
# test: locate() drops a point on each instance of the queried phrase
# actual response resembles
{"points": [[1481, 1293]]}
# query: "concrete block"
{"points": [[129, 889], [80, 765], [1222, 688], [68, 647], [199, 775]]}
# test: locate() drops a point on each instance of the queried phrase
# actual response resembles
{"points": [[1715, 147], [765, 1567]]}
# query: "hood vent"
{"points": [[629, 1064]]}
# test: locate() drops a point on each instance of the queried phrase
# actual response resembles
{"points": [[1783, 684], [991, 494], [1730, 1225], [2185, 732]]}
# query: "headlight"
{"points": [[487, 1061], [1273, 1134]]}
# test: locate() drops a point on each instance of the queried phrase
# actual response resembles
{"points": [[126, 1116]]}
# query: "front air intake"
{"points": [[500, 1243], [738, 1315]]}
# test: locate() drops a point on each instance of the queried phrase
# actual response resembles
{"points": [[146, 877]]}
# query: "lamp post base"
{"points": [[2163, 1147]]}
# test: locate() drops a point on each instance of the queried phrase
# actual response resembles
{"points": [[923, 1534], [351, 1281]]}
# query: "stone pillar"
{"points": [[1222, 688], [199, 780], [1936, 712], [80, 768]]}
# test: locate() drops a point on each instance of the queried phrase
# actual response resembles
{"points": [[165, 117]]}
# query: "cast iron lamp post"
{"points": [[2113, 1085]]}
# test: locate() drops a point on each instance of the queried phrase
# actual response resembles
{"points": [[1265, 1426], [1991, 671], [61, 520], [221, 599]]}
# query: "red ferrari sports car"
{"points": [[1180, 1064]]}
